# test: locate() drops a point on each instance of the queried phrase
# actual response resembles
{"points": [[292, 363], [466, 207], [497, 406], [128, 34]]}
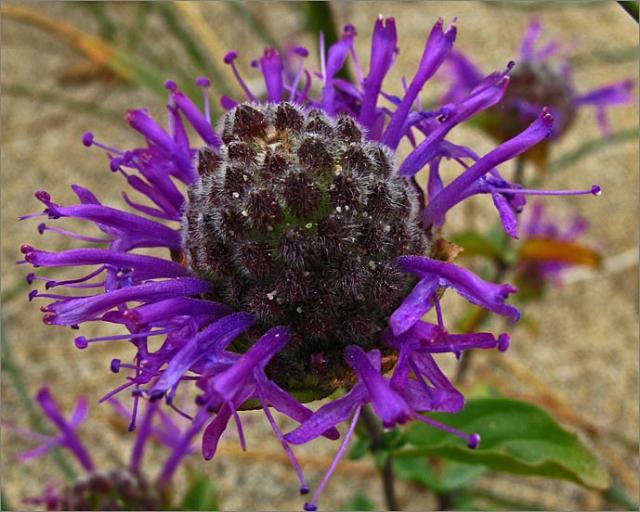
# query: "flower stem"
{"points": [[375, 432]]}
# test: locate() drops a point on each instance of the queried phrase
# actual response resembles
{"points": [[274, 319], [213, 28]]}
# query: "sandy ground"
{"points": [[586, 339]]}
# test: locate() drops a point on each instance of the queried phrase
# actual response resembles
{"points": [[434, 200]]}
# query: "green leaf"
{"points": [[477, 244], [517, 437], [440, 476], [201, 495], [360, 502]]}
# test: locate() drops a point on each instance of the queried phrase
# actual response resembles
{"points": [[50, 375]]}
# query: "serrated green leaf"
{"points": [[517, 437], [201, 495]]}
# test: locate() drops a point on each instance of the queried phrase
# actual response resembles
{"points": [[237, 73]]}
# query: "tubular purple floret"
{"points": [[196, 118], [436, 209], [229, 59], [73, 310], [229, 383], [272, 68], [389, 406], [483, 97], [383, 51], [436, 49], [476, 290], [214, 338]]}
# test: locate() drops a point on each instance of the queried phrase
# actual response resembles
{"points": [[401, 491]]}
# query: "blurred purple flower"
{"points": [[116, 488], [549, 248], [540, 78]]}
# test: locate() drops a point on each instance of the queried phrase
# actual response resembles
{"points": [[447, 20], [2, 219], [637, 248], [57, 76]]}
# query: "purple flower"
{"points": [[536, 81], [549, 248], [297, 251], [120, 488]]}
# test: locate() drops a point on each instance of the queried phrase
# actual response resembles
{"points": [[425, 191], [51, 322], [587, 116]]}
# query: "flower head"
{"points": [[299, 259], [539, 78], [129, 487]]}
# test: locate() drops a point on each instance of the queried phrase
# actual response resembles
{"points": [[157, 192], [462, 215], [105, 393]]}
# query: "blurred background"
{"points": [[69, 67]]}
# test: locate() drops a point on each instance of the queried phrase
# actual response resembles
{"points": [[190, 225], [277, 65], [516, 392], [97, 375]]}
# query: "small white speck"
{"points": [[338, 209], [387, 228], [269, 228], [365, 214], [372, 264], [306, 274], [271, 295], [338, 170], [299, 309], [244, 213], [236, 195], [245, 177], [346, 208], [308, 225]]}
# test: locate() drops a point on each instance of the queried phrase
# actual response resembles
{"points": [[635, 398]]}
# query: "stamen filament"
{"points": [[312, 505], [304, 488], [594, 190]]}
